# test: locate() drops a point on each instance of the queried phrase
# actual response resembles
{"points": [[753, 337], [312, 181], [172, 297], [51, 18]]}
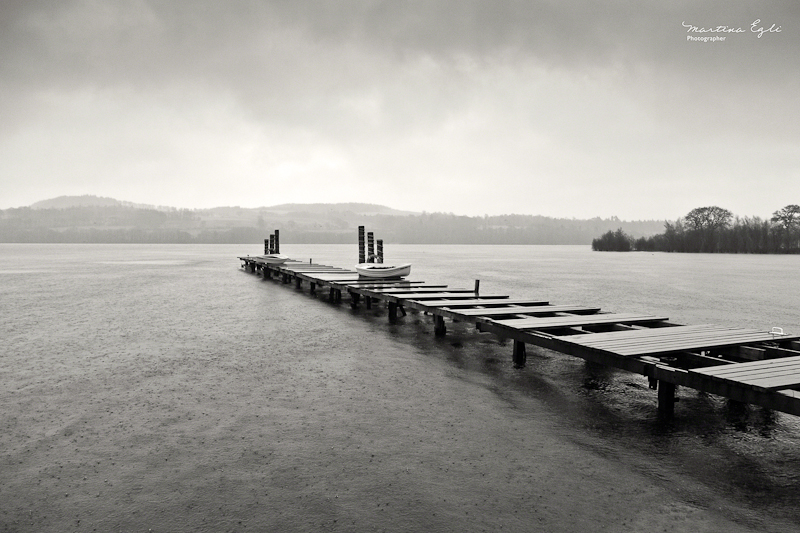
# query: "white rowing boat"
{"points": [[274, 259], [381, 271]]}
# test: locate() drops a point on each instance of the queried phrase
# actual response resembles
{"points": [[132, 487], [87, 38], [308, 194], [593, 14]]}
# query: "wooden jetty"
{"points": [[744, 365]]}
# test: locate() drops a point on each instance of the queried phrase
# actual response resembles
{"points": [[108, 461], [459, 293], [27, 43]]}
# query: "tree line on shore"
{"points": [[715, 230]]}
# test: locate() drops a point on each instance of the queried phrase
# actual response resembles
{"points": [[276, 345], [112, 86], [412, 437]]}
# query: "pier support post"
{"points": [[392, 311], [439, 329], [298, 283], [368, 302], [666, 399], [520, 356], [354, 299], [361, 253], [266, 272], [312, 288], [332, 295]]}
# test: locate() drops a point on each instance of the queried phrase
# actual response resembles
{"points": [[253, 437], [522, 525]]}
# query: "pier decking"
{"points": [[749, 366]]}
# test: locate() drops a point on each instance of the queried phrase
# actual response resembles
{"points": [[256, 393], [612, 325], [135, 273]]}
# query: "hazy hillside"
{"points": [[97, 219]]}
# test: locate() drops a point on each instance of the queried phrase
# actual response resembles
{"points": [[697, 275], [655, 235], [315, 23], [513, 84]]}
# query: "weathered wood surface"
{"points": [[478, 302], [771, 374], [529, 310], [540, 323], [670, 339]]}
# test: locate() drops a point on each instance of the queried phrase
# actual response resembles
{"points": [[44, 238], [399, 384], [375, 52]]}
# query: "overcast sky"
{"points": [[568, 109]]}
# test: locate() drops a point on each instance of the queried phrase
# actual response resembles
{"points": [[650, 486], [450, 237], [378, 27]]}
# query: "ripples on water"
{"points": [[85, 310]]}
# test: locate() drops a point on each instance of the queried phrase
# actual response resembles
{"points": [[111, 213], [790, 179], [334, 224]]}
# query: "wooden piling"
{"points": [[519, 357], [361, 253], [439, 328], [271, 243], [380, 250], [370, 247], [477, 287], [277, 248], [666, 399], [266, 246]]}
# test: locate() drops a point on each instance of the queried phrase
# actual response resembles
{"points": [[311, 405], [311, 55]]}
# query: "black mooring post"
{"points": [[370, 247], [361, 253], [520, 357], [266, 246], [277, 241], [271, 243], [379, 246]]}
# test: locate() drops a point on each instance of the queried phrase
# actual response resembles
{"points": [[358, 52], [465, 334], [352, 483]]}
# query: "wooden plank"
{"points": [[662, 340], [529, 310], [583, 320], [478, 302], [743, 368], [415, 296], [399, 291]]}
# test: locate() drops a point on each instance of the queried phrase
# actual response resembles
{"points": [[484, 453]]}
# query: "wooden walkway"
{"points": [[749, 366]]}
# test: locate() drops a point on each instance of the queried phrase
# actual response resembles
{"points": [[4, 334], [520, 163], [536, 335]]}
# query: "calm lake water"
{"points": [[121, 359]]}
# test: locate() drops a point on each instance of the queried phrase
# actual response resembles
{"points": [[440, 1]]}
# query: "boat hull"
{"points": [[380, 271], [274, 259]]}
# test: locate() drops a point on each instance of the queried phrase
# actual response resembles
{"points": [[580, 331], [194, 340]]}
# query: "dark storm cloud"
{"points": [[413, 90]]}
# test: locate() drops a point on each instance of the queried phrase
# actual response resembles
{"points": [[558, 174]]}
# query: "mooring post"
{"points": [[439, 329], [477, 287], [370, 247], [379, 243], [277, 241], [520, 357], [266, 246], [666, 399], [271, 242], [361, 254]]}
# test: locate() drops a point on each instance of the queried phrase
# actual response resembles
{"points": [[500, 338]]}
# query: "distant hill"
{"points": [[88, 200], [324, 209], [90, 218], [352, 208]]}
